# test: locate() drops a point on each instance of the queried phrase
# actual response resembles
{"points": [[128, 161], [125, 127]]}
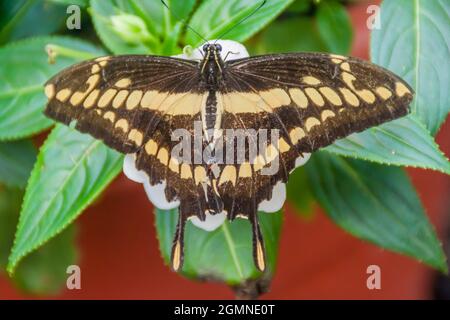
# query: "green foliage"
{"points": [[373, 202], [414, 42], [43, 271], [10, 201], [272, 39], [16, 161], [226, 14], [299, 193], [26, 69], [334, 27], [18, 19], [403, 142], [71, 171], [376, 203], [112, 36], [224, 254], [299, 7], [80, 3]]}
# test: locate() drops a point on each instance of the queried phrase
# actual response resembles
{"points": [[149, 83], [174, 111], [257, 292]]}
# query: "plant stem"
{"points": [[54, 50]]}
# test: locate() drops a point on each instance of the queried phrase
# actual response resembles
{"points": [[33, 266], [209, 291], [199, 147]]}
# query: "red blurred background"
{"points": [[120, 259]]}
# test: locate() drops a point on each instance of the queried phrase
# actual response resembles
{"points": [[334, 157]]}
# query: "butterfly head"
{"points": [[212, 61], [214, 48]]}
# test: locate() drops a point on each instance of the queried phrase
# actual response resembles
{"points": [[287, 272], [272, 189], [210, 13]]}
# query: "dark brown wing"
{"points": [[312, 99], [134, 104], [121, 99]]}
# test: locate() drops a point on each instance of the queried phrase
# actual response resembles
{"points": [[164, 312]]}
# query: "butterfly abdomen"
{"points": [[210, 112]]}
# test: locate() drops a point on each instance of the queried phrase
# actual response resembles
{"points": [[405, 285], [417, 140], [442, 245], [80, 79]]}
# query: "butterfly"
{"points": [[134, 103]]}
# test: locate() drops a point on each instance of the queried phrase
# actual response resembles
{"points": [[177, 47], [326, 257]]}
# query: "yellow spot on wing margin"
{"points": [[185, 171], [401, 89], [151, 147], [327, 114], [311, 122], [122, 124], [384, 92], [245, 170], [228, 174], [50, 90], [63, 95]]}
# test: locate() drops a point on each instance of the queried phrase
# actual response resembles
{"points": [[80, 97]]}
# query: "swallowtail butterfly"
{"points": [[135, 102]]}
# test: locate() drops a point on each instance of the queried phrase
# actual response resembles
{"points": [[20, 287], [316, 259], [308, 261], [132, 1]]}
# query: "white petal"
{"points": [[300, 161], [191, 54], [211, 223], [154, 193], [234, 49], [157, 196], [277, 200], [130, 170]]}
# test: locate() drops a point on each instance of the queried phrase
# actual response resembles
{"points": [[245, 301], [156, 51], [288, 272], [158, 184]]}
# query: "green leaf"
{"points": [[16, 161], [414, 42], [375, 203], [10, 201], [119, 38], [300, 6], [80, 3], [224, 16], [130, 28], [335, 27], [72, 169], [18, 19], [273, 38], [44, 271], [25, 69], [299, 193], [403, 142], [161, 21], [224, 254]]}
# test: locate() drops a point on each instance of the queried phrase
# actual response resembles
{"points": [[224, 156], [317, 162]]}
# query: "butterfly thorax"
{"points": [[211, 73]]}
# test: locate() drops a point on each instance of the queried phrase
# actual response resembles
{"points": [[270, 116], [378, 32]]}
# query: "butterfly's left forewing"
{"points": [[121, 100]]}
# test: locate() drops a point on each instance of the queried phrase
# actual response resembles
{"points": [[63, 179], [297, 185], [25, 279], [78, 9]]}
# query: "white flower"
{"points": [[232, 50], [156, 194]]}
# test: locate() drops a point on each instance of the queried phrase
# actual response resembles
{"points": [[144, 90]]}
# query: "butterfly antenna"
{"points": [[242, 20], [187, 25]]}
